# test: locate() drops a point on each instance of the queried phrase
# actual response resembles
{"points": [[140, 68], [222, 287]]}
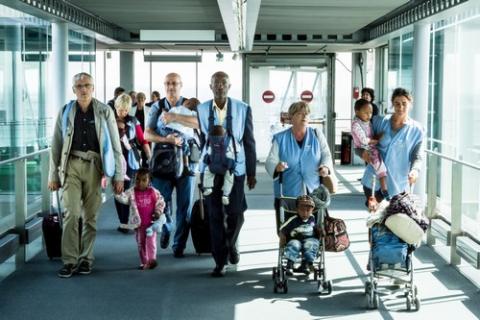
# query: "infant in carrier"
{"points": [[181, 131], [301, 233], [219, 159]]}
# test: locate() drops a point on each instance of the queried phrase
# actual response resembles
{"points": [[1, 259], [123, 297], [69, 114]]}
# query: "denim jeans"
{"points": [[185, 190], [308, 247]]}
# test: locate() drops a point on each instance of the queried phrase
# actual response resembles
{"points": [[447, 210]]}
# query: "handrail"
{"points": [[466, 164], [26, 156], [456, 229]]}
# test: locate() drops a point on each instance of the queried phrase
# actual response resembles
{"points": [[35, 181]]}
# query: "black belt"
{"points": [[80, 158]]}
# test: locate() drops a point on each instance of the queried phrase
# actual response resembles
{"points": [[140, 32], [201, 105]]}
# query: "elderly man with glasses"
{"points": [[85, 146]]}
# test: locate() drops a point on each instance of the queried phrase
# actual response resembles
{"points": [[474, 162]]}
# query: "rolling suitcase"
{"points": [[52, 231], [52, 226], [199, 226]]}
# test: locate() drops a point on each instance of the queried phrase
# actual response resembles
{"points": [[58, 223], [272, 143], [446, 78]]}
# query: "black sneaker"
{"points": [[218, 272], [233, 255], [178, 254], [67, 270], [84, 268], [164, 239]]}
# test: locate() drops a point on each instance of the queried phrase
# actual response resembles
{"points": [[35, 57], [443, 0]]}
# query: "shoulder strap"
{"points": [[210, 118], [65, 113], [162, 105], [229, 117]]}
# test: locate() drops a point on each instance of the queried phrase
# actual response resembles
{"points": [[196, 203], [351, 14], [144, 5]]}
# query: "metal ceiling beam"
{"points": [[65, 11], [240, 20], [406, 15]]}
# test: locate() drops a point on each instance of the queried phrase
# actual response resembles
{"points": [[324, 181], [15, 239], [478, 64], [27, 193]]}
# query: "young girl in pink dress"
{"points": [[362, 134], [146, 206]]}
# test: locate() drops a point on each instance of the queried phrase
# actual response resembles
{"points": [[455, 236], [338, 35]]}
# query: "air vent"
{"points": [[134, 36], [347, 36], [332, 37], [224, 37], [286, 37], [258, 37], [301, 37], [317, 37], [271, 37]]}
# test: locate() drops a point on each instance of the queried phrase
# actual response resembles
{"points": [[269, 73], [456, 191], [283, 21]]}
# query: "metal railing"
{"points": [[433, 212], [20, 189]]}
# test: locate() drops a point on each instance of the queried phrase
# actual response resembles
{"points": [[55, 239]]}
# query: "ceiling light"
{"points": [[219, 55]]}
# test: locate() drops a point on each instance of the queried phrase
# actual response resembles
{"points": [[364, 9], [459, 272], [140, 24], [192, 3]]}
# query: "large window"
{"points": [[400, 61], [454, 107]]}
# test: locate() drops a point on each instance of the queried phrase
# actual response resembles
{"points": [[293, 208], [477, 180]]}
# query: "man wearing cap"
{"points": [[300, 233]]}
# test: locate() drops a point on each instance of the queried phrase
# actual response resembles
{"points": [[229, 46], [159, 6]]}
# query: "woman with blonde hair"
{"points": [[301, 153], [131, 140]]}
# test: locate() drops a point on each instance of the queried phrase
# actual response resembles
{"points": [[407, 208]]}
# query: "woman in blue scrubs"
{"points": [[301, 153], [400, 147]]}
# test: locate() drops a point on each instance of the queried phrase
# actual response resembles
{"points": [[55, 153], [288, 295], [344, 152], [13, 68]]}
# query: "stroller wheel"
{"points": [[368, 287], [329, 286], [409, 303], [416, 302]]}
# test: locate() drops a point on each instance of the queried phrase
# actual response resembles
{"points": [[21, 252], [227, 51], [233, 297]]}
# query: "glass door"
{"points": [[275, 83]]}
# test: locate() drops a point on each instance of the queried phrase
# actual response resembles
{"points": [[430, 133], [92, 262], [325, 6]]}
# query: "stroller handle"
{"points": [[280, 183]]}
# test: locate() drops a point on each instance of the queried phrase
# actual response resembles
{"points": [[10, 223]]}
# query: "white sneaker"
{"points": [[225, 200], [207, 191]]}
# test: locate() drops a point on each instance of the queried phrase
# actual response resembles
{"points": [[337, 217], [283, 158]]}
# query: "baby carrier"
{"points": [[217, 161]]}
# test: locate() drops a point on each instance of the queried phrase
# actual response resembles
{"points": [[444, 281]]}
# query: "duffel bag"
{"points": [[336, 237]]}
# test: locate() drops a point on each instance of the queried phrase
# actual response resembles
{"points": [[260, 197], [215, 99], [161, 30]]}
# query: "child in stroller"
{"points": [[301, 234], [304, 214]]}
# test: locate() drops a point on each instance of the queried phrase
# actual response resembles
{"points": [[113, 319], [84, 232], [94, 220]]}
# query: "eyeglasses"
{"points": [[172, 84], [86, 86]]}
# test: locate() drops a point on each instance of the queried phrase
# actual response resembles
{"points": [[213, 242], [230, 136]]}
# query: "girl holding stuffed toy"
{"points": [[146, 209]]}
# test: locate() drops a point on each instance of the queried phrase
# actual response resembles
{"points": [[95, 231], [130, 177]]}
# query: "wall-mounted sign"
{"points": [[268, 96], [306, 96]]}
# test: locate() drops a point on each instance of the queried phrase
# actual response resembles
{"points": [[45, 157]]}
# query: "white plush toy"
{"points": [[156, 226]]}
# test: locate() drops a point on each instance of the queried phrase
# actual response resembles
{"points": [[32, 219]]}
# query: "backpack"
{"points": [[217, 160], [166, 162]]}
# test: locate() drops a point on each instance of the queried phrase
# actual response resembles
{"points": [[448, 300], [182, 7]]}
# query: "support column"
{"points": [[419, 112], [60, 64], [126, 70], [14, 75]]}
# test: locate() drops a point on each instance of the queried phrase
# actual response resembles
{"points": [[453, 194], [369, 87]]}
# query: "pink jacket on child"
{"points": [[128, 197]]}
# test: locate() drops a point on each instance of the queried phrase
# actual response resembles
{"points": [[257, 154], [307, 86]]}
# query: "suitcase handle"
{"points": [[59, 208], [200, 199]]}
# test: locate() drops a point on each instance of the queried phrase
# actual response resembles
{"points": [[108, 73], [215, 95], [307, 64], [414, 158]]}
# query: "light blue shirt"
{"points": [[303, 161], [396, 150]]}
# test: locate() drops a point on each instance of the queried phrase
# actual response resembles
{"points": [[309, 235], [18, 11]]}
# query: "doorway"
{"points": [[273, 83]]}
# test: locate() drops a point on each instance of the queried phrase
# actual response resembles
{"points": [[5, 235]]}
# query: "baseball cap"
{"points": [[305, 201]]}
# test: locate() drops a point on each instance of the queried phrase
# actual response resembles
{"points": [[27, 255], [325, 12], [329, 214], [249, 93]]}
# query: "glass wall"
{"points": [[400, 62], [454, 107]]}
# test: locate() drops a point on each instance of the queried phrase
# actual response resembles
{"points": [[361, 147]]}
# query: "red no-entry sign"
{"points": [[306, 96], [268, 96]]}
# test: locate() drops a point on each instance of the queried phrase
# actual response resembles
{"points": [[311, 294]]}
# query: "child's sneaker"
{"points": [[289, 268], [152, 264], [225, 200], [207, 191], [385, 195]]}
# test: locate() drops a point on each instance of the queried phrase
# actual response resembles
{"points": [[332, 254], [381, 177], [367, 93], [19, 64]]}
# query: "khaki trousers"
{"points": [[81, 192]]}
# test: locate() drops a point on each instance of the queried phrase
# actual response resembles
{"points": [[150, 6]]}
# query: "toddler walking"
{"points": [[362, 134], [146, 207]]}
